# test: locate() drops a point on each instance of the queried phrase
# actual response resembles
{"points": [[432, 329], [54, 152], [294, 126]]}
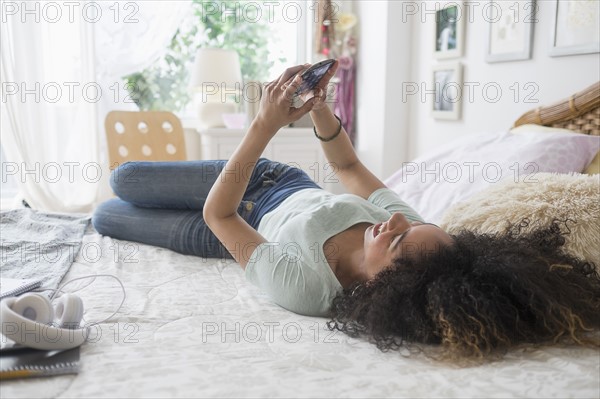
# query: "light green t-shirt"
{"points": [[292, 268]]}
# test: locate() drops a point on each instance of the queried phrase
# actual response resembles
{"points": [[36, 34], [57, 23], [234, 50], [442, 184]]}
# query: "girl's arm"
{"points": [[220, 208], [339, 151]]}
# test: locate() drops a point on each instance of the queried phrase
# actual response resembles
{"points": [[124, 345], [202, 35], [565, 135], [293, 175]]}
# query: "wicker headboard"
{"points": [[580, 113]]}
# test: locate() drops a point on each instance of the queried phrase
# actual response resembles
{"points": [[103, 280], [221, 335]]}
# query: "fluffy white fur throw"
{"points": [[550, 196]]}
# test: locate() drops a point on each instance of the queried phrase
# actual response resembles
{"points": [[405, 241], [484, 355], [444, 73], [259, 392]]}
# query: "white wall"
{"points": [[397, 47], [381, 122]]}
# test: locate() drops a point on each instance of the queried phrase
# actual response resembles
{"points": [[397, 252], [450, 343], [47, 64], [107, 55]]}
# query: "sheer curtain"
{"points": [[50, 140], [59, 79]]}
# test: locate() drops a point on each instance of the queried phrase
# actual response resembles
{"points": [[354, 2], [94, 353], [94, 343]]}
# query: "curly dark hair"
{"points": [[479, 297]]}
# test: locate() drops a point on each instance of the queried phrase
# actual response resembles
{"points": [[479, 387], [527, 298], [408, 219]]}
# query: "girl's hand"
{"points": [[319, 94], [276, 105]]}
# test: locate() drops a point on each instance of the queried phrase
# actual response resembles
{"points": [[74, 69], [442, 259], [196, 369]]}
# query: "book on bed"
{"points": [[22, 362]]}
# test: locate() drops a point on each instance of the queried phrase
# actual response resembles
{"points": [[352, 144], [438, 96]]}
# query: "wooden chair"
{"points": [[144, 136]]}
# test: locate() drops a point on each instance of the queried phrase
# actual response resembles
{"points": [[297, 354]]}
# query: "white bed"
{"points": [[162, 344], [176, 337]]}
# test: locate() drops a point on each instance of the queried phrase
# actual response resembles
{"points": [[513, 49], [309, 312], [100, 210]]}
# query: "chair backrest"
{"points": [[144, 136]]}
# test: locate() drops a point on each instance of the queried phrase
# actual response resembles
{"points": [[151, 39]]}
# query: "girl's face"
{"points": [[397, 238]]}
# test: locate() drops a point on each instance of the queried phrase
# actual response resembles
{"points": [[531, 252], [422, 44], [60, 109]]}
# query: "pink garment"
{"points": [[344, 100]]}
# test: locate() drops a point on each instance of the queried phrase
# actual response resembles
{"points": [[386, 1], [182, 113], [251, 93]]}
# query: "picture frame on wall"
{"points": [[510, 30], [447, 79], [576, 28], [449, 30]]}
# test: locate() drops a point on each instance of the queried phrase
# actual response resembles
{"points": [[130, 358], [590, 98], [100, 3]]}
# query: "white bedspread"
{"points": [[192, 327]]}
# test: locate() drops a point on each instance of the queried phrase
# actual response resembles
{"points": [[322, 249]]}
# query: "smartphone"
{"points": [[312, 76]]}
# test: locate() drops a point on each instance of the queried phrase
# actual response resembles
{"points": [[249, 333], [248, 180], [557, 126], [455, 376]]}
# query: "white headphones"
{"points": [[33, 321]]}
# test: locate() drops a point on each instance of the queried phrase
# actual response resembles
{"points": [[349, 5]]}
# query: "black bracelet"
{"points": [[332, 137]]}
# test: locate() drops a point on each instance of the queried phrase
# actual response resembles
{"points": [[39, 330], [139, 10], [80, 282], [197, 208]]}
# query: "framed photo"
{"points": [[447, 83], [510, 31], [576, 28], [449, 30]]}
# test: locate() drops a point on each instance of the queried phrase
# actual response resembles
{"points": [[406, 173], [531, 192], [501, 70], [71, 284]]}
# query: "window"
{"points": [[268, 36]]}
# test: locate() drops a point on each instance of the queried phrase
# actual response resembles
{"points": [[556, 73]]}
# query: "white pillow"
{"points": [[452, 173]]}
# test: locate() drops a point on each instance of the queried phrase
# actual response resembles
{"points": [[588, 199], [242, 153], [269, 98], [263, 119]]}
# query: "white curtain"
{"points": [[50, 139], [59, 79], [139, 39]]}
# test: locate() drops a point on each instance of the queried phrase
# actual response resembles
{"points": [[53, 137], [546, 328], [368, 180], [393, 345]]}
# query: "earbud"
{"points": [[30, 320], [69, 311], [34, 307]]}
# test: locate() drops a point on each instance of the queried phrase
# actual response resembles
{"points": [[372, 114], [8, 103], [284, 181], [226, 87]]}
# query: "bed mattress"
{"points": [[193, 327]]}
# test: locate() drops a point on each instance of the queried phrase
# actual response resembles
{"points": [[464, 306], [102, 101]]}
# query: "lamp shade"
{"points": [[218, 68]]}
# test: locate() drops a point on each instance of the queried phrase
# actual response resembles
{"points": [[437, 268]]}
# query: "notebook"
{"points": [[22, 362], [17, 286]]}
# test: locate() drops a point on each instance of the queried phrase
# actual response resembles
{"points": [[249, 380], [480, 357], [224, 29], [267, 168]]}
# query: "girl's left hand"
{"points": [[276, 105]]}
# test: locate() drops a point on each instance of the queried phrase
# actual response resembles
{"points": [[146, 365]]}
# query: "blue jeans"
{"points": [[160, 203]]}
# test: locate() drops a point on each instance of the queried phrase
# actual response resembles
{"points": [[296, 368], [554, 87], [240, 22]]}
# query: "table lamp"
{"points": [[216, 78]]}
